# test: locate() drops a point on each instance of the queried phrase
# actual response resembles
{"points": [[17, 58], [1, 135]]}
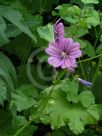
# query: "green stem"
{"points": [[82, 69], [99, 34], [61, 74], [89, 58], [26, 125], [95, 75], [43, 6]]}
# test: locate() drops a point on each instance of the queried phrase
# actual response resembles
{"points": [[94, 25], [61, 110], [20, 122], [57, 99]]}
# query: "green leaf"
{"points": [[71, 31], [101, 37], [46, 32], [97, 89], [12, 30], [21, 101], [16, 18], [83, 43], [18, 122], [99, 49], [23, 98], [32, 22], [71, 89], [29, 90], [90, 51], [69, 13], [20, 47], [9, 125], [58, 133], [3, 37], [100, 110], [7, 71], [81, 32], [3, 91], [29, 131], [92, 21], [90, 1], [91, 17], [61, 113], [86, 98], [5, 122], [86, 17]]}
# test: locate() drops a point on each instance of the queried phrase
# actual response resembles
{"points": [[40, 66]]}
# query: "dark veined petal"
{"points": [[75, 47], [65, 63], [75, 54], [73, 62], [69, 43], [75, 51], [58, 30], [52, 50], [76, 44], [54, 61], [65, 44]]}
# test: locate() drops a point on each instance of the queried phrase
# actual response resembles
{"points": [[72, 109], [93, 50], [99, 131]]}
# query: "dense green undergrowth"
{"points": [[35, 99]]}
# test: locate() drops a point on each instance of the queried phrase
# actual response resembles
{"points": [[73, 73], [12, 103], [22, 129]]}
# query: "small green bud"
{"points": [[75, 77], [51, 102], [93, 63]]}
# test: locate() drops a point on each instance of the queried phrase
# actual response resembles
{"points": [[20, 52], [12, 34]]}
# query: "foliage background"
{"points": [[26, 25]]}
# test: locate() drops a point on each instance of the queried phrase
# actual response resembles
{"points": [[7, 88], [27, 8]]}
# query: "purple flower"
{"points": [[58, 30], [64, 53], [84, 82]]}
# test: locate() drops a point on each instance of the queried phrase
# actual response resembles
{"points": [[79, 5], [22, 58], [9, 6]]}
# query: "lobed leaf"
{"points": [[46, 32], [90, 1]]}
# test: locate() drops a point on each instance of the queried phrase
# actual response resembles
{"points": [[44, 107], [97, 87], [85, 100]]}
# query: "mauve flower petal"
{"points": [[65, 64], [63, 44], [69, 43], [75, 54], [75, 47], [54, 61], [57, 21], [52, 49], [73, 62], [58, 30], [76, 44], [71, 70], [52, 52]]}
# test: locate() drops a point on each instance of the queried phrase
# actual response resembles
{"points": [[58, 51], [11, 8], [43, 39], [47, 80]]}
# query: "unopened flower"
{"points": [[58, 30], [64, 53], [84, 82]]}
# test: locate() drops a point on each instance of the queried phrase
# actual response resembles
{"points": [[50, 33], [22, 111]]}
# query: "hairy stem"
{"points": [[95, 75], [82, 69], [99, 34], [89, 58], [38, 113], [27, 124]]}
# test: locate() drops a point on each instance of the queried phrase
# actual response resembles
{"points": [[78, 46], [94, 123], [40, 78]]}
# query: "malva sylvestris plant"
{"points": [[50, 71], [62, 53]]}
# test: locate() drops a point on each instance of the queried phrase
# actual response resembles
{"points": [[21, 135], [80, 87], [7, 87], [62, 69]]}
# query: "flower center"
{"points": [[63, 54]]}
